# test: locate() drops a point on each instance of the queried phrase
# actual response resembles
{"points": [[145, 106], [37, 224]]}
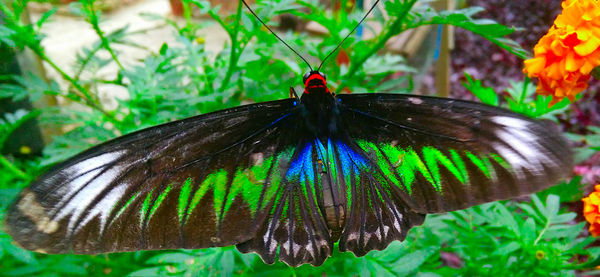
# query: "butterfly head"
{"points": [[315, 82]]}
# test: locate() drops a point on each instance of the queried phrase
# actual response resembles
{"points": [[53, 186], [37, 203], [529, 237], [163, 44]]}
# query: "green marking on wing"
{"points": [[184, 198], [208, 182], [161, 197], [501, 161], [220, 188], [396, 157], [145, 207], [405, 162], [127, 204], [433, 156], [480, 163], [275, 179], [253, 192], [460, 164], [249, 182], [392, 154], [274, 183], [240, 180], [415, 162]]}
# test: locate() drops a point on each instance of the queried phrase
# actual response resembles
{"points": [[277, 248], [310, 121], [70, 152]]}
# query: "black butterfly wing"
{"points": [[442, 154], [398, 157], [204, 181]]}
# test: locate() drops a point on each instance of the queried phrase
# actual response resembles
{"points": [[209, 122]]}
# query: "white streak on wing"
{"points": [[396, 219], [286, 247], [104, 207], [268, 237], [367, 237], [295, 248], [352, 236], [386, 230], [513, 159], [378, 233], [83, 198], [74, 186], [97, 161], [87, 169], [531, 154], [518, 141], [310, 250]]}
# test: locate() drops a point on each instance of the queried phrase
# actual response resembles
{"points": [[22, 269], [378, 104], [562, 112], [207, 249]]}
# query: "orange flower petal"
{"points": [[587, 47], [535, 65], [566, 55]]}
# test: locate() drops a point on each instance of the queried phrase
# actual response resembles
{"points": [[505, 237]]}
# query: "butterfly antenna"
{"points": [[288, 46], [353, 30]]}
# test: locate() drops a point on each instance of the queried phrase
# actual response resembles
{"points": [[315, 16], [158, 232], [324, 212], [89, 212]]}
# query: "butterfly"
{"points": [[289, 178]]}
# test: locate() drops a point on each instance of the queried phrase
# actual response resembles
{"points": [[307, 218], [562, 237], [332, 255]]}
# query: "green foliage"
{"points": [[588, 144], [184, 79], [486, 95], [520, 98]]}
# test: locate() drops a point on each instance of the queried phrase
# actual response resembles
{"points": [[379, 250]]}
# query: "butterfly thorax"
{"points": [[321, 111]]}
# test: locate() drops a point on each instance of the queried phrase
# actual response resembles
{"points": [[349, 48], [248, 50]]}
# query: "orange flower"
{"points": [[591, 210], [565, 56]]}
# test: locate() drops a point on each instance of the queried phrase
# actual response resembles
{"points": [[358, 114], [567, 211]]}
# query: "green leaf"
{"points": [[486, 95], [170, 258], [507, 219], [507, 248], [570, 191], [45, 17], [410, 263], [488, 29], [18, 253], [564, 231], [528, 231], [151, 271]]}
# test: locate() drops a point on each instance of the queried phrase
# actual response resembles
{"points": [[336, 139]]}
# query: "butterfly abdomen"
{"points": [[333, 205]]}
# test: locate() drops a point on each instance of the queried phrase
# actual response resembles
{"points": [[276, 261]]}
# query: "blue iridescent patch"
{"points": [[350, 159], [302, 167]]}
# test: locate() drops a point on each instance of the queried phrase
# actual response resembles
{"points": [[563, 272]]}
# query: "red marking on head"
{"points": [[315, 76]]}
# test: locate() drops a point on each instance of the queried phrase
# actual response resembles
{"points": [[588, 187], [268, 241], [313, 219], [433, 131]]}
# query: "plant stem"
{"points": [[187, 14], [93, 19], [88, 99], [233, 34], [542, 232], [12, 168], [524, 92], [391, 31]]}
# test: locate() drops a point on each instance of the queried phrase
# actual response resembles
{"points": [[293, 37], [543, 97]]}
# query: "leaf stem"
{"points": [[94, 21], [87, 97], [391, 31], [524, 91], [12, 168], [234, 57], [542, 232]]}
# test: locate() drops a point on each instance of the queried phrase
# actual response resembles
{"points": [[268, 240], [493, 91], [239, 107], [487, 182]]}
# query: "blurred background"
{"points": [[76, 73]]}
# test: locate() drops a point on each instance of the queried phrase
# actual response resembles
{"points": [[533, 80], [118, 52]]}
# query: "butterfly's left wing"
{"points": [[200, 182]]}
